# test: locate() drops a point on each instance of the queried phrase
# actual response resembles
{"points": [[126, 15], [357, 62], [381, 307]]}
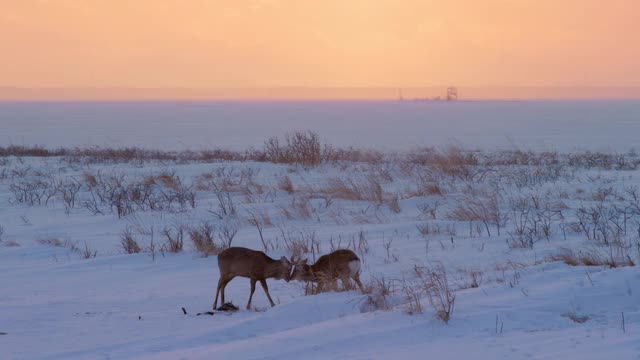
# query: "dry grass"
{"points": [[433, 190], [300, 207], [305, 147], [87, 252], [36, 151], [174, 238], [377, 293], [433, 282], [357, 189], [300, 147], [52, 242], [203, 240], [299, 243], [579, 319], [590, 258], [128, 243], [483, 207], [10, 243], [285, 184]]}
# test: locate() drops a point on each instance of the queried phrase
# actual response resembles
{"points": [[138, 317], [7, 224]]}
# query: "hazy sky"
{"points": [[319, 43]]}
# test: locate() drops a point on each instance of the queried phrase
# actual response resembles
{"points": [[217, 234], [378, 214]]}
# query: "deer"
{"points": [[252, 264], [341, 264]]}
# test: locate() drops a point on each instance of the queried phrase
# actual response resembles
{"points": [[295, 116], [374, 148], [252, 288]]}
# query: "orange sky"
{"points": [[318, 43]]}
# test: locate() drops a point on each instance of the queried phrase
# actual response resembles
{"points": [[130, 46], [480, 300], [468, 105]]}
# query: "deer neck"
{"points": [[272, 269]]}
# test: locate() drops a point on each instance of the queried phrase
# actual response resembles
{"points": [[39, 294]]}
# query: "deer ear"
{"points": [[284, 260], [304, 262]]}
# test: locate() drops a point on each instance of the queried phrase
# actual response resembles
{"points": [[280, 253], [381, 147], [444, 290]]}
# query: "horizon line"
{"points": [[310, 93]]}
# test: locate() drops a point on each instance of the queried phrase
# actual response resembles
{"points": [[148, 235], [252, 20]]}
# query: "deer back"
{"points": [[243, 262], [339, 263]]}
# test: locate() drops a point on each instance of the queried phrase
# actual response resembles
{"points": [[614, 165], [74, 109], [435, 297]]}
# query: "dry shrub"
{"points": [[434, 283], [378, 292], [433, 190], [174, 238], [484, 208], [567, 256], [351, 154], [424, 229], [87, 252], [339, 189], [260, 219], [52, 242], [35, 150], [476, 278], [429, 209], [165, 179], [128, 243], [394, 204], [285, 184], [303, 148], [299, 243], [90, 180], [203, 240], [590, 258], [413, 293], [297, 148], [34, 192], [10, 243], [368, 189], [601, 160], [452, 161], [580, 319], [227, 231], [299, 208], [532, 176]]}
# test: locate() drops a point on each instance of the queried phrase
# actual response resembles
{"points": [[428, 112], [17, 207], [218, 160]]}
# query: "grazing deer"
{"points": [[341, 264], [252, 264]]}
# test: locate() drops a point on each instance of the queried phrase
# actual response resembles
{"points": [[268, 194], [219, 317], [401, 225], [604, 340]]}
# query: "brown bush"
{"points": [[434, 283], [203, 240], [303, 148], [590, 258], [174, 238], [285, 184], [378, 292], [128, 243]]}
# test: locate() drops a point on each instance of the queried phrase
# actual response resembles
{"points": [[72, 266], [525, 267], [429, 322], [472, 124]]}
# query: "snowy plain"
{"points": [[606, 125], [515, 296]]}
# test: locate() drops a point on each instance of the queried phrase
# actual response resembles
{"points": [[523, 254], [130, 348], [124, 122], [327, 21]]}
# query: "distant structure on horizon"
{"points": [[451, 95]]}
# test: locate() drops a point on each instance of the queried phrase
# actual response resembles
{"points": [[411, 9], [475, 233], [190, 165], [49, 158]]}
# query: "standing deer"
{"points": [[341, 264], [252, 264]]}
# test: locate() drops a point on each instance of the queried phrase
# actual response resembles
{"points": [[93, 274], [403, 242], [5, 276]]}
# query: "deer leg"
{"points": [[253, 288], [356, 278], [263, 282], [346, 283], [215, 302], [333, 284], [224, 285]]}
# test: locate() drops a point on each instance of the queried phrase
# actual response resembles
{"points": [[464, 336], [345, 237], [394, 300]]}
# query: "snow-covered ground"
{"points": [[563, 125], [69, 291]]}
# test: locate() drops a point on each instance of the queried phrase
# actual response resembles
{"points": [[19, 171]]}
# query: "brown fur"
{"points": [[328, 268], [252, 264]]}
